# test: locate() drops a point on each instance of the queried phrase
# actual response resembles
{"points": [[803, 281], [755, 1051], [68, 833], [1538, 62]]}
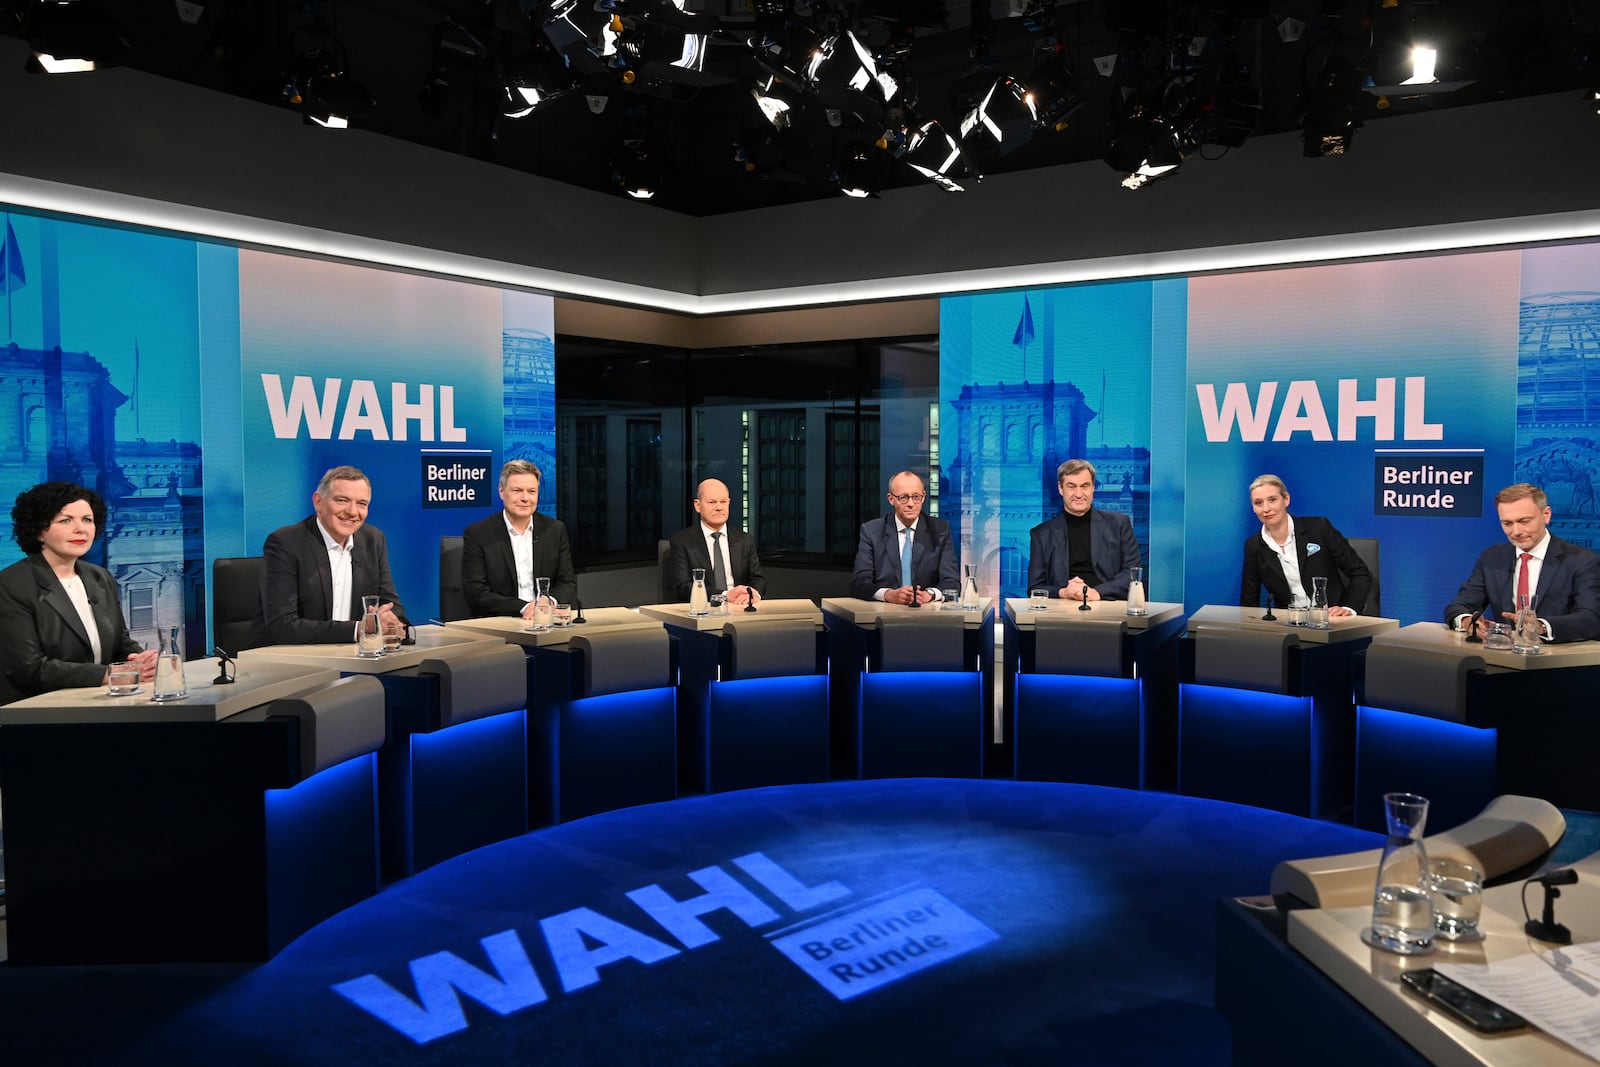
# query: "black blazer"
{"points": [[1569, 589], [1112, 549], [1349, 581], [688, 551], [933, 557], [297, 586], [43, 644], [489, 569]]}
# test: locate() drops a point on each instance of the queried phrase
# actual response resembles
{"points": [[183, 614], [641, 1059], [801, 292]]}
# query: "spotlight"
{"points": [[535, 79], [777, 100], [855, 174], [1290, 30], [1331, 120], [189, 12], [1006, 114], [1146, 148], [71, 36], [637, 170], [842, 61], [935, 155], [1591, 97], [331, 100]]}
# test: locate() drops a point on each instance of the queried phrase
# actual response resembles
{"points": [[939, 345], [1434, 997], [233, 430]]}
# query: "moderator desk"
{"points": [[1330, 999], [453, 774], [1265, 709], [1460, 723], [752, 695], [139, 832], [919, 707], [1092, 696]]}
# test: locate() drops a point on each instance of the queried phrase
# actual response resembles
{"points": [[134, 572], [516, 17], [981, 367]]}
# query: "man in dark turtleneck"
{"points": [[1083, 548]]}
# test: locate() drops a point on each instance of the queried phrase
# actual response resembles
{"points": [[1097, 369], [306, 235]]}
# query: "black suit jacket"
{"points": [[1349, 581], [1112, 548], [1569, 589], [297, 586], [688, 551], [43, 644], [489, 569], [933, 557]]}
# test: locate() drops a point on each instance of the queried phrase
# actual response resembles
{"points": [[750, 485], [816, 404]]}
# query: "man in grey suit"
{"points": [[884, 571], [691, 548], [317, 570], [503, 555], [1083, 549]]}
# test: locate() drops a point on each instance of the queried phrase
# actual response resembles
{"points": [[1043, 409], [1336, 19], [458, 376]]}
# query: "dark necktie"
{"points": [[719, 573], [1522, 579]]}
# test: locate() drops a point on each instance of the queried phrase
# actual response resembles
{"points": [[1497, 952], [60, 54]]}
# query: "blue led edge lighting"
{"points": [[1105, 689], [319, 786]]}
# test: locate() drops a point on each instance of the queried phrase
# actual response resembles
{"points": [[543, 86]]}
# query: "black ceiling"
{"points": [[1244, 78]]}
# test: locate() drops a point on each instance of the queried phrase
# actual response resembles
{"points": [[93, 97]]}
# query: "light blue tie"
{"points": [[905, 557]]}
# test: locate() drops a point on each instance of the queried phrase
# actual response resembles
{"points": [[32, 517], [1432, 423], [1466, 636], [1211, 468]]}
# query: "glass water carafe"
{"points": [[1402, 901], [170, 683], [369, 631], [1527, 632], [969, 588], [1319, 605], [699, 603], [1136, 603]]}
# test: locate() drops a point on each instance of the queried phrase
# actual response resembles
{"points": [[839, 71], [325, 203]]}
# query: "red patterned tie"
{"points": [[1522, 579]]}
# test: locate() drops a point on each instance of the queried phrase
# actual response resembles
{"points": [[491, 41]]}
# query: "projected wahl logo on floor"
{"points": [[854, 949]]}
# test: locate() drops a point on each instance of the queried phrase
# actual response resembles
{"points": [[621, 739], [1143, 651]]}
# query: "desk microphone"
{"points": [[750, 600], [224, 661], [1472, 628], [1545, 928], [916, 590], [1085, 605], [578, 619], [1269, 616]]}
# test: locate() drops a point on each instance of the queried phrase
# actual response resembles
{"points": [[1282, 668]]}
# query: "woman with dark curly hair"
{"points": [[61, 620]]}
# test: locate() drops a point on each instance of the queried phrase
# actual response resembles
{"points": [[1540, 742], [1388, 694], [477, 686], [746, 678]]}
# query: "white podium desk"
{"points": [[254, 684], [678, 614], [433, 642], [1330, 939], [515, 631]]}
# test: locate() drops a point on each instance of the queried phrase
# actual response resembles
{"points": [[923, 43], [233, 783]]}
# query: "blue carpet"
{"points": [[960, 922]]}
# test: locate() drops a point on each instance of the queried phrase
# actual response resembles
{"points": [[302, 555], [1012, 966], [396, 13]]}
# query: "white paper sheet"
{"points": [[1557, 990]]}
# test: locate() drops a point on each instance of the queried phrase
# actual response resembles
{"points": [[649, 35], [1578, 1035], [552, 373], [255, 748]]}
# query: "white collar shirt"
{"points": [[522, 552], [339, 567], [1288, 558]]}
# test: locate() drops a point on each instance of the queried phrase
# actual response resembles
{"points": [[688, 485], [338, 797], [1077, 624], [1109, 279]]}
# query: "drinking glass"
{"points": [[1499, 637], [1299, 609], [1039, 600], [952, 599], [1526, 632], [123, 680], [717, 603], [1457, 899], [561, 616]]}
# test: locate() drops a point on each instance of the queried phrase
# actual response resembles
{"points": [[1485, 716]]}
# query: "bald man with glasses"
{"points": [[905, 557]]}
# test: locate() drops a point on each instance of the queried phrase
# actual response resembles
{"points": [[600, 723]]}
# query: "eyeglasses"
{"points": [[908, 498]]}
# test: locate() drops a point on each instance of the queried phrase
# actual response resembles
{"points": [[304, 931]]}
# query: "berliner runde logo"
{"points": [[848, 947]]}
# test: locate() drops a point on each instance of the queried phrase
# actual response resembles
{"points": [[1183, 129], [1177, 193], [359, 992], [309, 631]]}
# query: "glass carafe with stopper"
{"points": [[699, 602], [1402, 901]]}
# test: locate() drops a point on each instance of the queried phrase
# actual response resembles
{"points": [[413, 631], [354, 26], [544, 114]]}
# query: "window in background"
{"points": [[805, 437]]}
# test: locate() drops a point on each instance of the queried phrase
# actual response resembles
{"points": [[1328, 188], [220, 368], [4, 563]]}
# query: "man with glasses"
{"points": [[504, 554], [904, 557], [1082, 553], [728, 556]]}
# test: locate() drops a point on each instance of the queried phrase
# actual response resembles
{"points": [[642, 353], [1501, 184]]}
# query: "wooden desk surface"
{"points": [[255, 684], [678, 614], [866, 612], [515, 631], [1330, 938], [1232, 617], [433, 642], [1439, 637], [1022, 612]]}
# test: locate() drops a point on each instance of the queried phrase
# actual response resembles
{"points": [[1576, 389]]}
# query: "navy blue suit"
{"points": [[1569, 589], [933, 557], [1112, 547]]}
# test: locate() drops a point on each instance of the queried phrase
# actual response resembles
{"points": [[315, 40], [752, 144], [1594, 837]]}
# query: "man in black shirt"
{"points": [[1082, 548]]}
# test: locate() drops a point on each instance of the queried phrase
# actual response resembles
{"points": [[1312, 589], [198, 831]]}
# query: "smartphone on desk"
{"points": [[1455, 999]]}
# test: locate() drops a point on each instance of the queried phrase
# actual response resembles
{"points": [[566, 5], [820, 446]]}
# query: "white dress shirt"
{"points": [[522, 552], [714, 546], [80, 600], [1289, 559], [339, 565]]}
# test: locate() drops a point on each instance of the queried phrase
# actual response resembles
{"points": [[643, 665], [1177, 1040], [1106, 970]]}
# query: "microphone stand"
{"points": [[578, 620], [916, 591], [1269, 616], [1472, 628], [749, 600], [224, 661], [1545, 928], [1085, 605]]}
